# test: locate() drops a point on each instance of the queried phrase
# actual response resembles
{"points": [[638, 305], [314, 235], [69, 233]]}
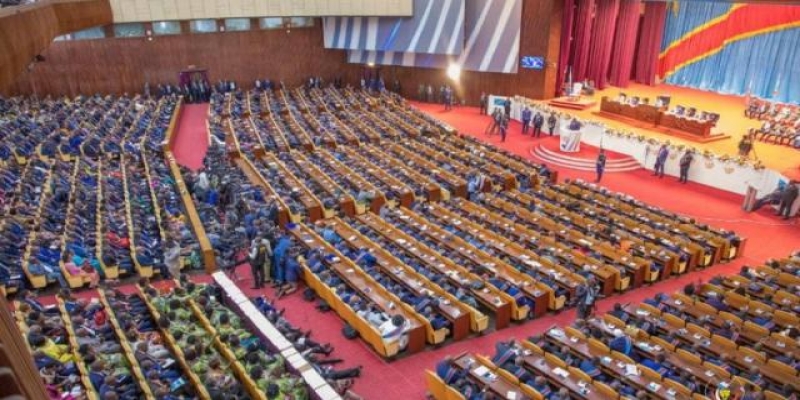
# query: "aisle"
{"points": [[191, 139]]}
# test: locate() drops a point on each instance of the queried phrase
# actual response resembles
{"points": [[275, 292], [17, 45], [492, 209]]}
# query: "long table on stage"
{"points": [[652, 117]]}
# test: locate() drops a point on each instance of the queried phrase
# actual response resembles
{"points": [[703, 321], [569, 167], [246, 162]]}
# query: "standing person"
{"points": [[661, 160], [600, 165], [503, 127], [421, 92], [526, 120], [586, 296], [483, 104], [746, 144], [448, 98], [788, 197], [551, 122], [172, 258], [257, 258], [686, 162], [494, 126], [507, 107], [429, 94], [538, 121]]}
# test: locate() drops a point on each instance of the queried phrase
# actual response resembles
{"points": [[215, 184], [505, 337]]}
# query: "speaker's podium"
{"points": [[574, 99]]}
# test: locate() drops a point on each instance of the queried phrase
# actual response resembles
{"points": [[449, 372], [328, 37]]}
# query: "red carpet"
{"points": [[404, 379], [191, 140]]}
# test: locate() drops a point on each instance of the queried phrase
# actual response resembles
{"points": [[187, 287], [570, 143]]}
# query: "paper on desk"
{"points": [[481, 370], [631, 370]]}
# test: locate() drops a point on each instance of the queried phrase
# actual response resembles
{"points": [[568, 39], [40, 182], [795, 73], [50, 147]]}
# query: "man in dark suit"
{"points": [[507, 107], [538, 121], [788, 197]]}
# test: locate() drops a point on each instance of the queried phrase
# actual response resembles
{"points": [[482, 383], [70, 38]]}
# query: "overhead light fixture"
{"points": [[454, 71], [371, 64]]}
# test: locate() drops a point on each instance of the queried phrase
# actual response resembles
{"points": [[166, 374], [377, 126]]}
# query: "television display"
{"points": [[532, 62]]}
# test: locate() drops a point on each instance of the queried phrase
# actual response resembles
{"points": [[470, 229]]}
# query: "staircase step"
{"points": [[582, 164]]}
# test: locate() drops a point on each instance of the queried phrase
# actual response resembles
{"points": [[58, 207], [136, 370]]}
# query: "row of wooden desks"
{"points": [[433, 191], [368, 170], [457, 275], [364, 285], [480, 261], [606, 275], [399, 272], [705, 345]]}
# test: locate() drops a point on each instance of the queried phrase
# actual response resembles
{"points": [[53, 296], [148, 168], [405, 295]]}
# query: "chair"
{"points": [[724, 342], [572, 332], [435, 385], [652, 310], [753, 327], [689, 356], [682, 390], [730, 317], [717, 370], [507, 376], [744, 382], [580, 374], [598, 346], [785, 319], [452, 394], [622, 357], [535, 349], [753, 354], [531, 392], [770, 395], [606, 391], [663, 343], [552, 359], [786, 369], [697, 329], [698, 396], [612, 320], [623, 283], [673, 320], [649, 373], [485, 361], [705, 308]]}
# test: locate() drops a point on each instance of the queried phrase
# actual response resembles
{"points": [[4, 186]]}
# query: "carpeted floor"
{"points": [[191, 141], [403, 379]]}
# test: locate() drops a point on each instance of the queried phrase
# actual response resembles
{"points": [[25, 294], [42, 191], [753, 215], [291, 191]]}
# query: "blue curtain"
{"points": [[768, 66], [688, 17]]}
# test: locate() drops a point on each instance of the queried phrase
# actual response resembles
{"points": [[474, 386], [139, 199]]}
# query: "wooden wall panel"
{"points": [[26, 31], [123, 65]]}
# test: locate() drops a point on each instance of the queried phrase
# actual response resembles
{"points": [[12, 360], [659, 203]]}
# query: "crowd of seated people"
{"points": [[53, 353], [723, 334], [214, 337], [70, 199], [781, 122]]}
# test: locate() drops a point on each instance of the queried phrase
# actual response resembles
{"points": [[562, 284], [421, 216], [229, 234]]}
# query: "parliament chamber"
{"points": [[342, 200]]}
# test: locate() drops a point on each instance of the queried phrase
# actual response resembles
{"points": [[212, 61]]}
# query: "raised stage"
{"points": [[732, 122], [572, 103]]}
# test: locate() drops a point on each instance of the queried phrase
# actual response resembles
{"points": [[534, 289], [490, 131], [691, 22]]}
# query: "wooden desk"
{"points": [[422, 183], [410, 279], [641, 112], [365, 285], [688, 125], [456, 274], [312, 173], [540, 366], [480, 261], [359, 163], [353, 180], [541, 294], [280, 176], [611, 364], [495, 384]]}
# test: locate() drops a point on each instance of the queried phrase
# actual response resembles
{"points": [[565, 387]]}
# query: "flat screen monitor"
{"points": [[532, 62]]}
